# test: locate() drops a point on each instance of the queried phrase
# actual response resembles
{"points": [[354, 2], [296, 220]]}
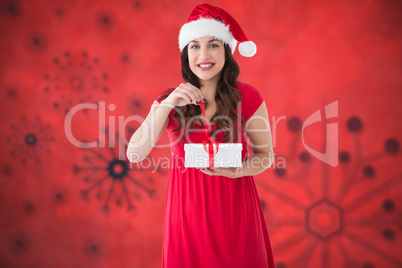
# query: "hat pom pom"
{"points": [[247, 49]]}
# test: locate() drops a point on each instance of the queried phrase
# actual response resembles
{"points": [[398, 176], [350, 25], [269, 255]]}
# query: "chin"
{"points": [[204, 78], [207, 77]]}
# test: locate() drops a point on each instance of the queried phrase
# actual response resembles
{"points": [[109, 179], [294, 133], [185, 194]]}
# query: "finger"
{"points": [[204, 171], [186, 88], [182, 93], [207, 171], [196, 91]]}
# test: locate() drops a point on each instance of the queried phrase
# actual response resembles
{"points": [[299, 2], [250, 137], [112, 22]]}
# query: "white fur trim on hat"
{"points": [[206, 27]]}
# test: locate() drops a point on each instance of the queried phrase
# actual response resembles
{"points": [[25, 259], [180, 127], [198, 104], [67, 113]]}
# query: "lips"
{"points": [[205, 66]]}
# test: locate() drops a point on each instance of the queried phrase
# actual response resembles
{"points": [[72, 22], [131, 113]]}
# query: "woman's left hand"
{"points": [[232, 173]]}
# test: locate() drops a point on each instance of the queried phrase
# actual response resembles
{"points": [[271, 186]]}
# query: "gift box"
{"points": [[223, 155], [210, 153]]}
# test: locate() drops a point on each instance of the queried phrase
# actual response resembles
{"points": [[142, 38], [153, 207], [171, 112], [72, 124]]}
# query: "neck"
{"points": [[208, 89]]}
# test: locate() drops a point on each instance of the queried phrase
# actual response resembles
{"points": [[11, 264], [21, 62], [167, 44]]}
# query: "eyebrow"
{"points": [[210, 41]]}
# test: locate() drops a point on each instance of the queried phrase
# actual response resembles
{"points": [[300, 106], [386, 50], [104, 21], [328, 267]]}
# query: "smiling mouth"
{"points": [[205, 65]]}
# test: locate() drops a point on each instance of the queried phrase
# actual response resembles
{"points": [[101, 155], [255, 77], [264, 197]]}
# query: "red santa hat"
{"points": [[207, 20]]}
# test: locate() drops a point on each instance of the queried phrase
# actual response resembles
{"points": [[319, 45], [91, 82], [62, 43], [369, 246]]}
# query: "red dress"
{"points": [[213, 221]]}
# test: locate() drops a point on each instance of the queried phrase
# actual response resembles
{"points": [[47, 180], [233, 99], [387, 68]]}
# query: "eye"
{"points": [[214, 45], [194, 46]]}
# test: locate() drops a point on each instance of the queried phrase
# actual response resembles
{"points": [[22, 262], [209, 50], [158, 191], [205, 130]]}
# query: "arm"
{"points": [[259, 131], [147, 135]]}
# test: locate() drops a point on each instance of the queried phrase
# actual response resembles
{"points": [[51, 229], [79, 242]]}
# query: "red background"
{"points": [[65, 206]]}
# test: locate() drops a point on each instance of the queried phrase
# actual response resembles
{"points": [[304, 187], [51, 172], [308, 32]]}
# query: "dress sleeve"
{"points": [[251, 101]]}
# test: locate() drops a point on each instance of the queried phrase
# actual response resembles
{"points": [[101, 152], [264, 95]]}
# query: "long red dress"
{"points": [[213, 221]]}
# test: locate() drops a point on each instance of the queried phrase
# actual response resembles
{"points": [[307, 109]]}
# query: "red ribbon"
{"points": [[209, 141]]}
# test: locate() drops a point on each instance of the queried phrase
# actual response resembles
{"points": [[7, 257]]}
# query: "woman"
{"points": [[213, 217]]}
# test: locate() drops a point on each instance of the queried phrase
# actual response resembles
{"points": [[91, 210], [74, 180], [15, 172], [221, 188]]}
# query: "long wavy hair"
{"points": [[227, 98]]}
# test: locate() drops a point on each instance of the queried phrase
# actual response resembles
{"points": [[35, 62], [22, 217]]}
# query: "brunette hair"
{"points": [[227, 98]]}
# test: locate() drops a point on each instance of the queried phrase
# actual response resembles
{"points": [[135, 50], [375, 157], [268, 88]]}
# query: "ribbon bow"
{"points": [[209, 141]]}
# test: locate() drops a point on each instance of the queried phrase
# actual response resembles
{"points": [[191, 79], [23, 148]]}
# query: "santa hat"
{"points": [[207, 20]]}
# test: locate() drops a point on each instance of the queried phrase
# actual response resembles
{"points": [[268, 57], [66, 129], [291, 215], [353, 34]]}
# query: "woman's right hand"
{"points": [[183, 95]]}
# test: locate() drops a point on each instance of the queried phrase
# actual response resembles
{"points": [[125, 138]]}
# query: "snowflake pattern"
{"points": [[110, 176], [329, 220], [75, 76], [30, 139]]}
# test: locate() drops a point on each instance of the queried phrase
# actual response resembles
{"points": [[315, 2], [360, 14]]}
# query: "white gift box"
{"points": [[228, 155]]}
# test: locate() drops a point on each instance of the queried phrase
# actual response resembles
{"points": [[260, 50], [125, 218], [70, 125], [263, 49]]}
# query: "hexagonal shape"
{"points": [[324, 219]]}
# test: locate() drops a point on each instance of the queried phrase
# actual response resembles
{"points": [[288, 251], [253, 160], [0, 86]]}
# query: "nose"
{"points": [[204, 53]]}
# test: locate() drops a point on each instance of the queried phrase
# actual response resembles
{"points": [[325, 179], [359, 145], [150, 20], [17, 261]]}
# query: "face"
{"points": [[206, 58]]}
